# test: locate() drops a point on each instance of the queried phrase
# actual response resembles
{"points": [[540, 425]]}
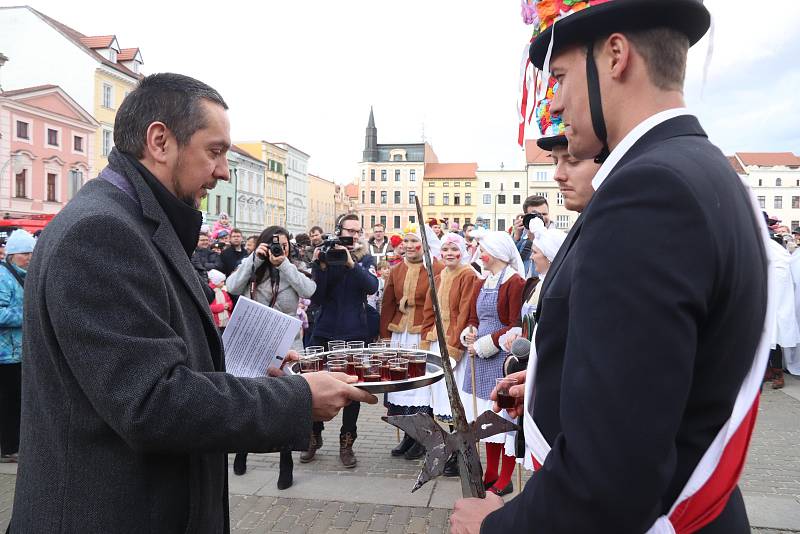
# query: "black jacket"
{"points": [[204, 259], [649, 319], [342, 299], [231, 258]]}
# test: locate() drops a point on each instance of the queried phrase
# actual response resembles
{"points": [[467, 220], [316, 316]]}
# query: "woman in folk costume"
{"points": [[494, 310], [454, 286], [401, 318]]}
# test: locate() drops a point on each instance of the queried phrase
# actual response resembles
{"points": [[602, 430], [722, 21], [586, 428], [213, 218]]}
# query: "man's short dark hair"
{"points": [[317, 229], [235, 231], [467, 225], [174, 99], [664, 51], [377, 225], [349, 217], [534, 202]]}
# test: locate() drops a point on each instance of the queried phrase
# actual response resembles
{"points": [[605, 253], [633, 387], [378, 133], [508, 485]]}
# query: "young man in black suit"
{"points": [[641, 392]]}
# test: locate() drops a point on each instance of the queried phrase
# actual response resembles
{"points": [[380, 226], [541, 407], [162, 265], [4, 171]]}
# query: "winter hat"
{"points": [[546, 240], [222, 233], [460, 242], [20, 242], [216, 277]]}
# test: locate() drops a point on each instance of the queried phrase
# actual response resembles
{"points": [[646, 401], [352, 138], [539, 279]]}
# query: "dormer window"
{"points": [[112, 55]]}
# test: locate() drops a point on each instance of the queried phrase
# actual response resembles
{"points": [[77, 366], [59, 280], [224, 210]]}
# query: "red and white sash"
{"points": [[714, 478]]}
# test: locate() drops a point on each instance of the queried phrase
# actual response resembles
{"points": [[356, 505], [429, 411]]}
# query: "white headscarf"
{"points": [[460, 242], [501, 246], [548, 240]]}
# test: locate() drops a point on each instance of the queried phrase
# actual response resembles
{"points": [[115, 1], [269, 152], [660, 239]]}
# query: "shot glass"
{"points": [[355, 345], [372, 370], [417, 364], [398, 369], [337, 366], [504, 398], [310, 364]]}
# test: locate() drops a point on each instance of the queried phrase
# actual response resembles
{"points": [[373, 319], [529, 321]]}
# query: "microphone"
{"points": [[518, 359]]}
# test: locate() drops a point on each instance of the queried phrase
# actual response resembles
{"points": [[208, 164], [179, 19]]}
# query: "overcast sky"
{"points": [[306, 72]]}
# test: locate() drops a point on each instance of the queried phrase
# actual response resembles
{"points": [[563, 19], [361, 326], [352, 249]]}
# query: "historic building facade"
{"points": [[774, 178], [449, 191]]}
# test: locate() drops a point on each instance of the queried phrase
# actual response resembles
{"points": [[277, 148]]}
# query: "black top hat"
{"points": [[595, 20]]}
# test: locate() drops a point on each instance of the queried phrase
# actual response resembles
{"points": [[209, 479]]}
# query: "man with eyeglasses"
{"points": [[343, 314]]}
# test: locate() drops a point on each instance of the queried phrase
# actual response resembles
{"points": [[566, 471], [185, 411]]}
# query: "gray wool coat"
{"points": [[127, 411]]}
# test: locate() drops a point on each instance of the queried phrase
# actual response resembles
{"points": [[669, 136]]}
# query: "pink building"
{"points": [[46, 150]]}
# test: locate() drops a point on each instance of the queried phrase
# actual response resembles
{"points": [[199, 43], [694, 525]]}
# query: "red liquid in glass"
{"points": [[385, 372], [416, 369], [360, 372], [351, 369], [505, 401], [398, 373], [372, 378]]}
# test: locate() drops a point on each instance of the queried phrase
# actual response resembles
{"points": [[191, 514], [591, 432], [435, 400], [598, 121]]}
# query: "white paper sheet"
{"points": [[257, 337]]}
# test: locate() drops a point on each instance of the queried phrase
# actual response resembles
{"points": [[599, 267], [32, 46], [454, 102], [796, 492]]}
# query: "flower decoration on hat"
{"points": [[549, 11], [549, 125]]}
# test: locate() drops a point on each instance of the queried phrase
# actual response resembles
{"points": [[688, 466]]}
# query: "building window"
{"points": [[431, 199], [19, 182], [456, 184], [501, 225], [397, 221], [456, 199], [397, 197], [778, 182], [51, 187], [383, 220], [397, 157], [778, 203], [75, 182], [795, 205], [562, 222], [230, 207], [559, 198], [446, 199], [107, 142], [501, 199], [77, 143], [467, 184], [363, 175], [432, 184], [219, 204], [487, 199], [108, 96], [516, 185], [372, 197], [412, 175], [384, 197], [412, 197], [363, 197], [372, 175], [468, 221], [762, 202], [412, 219], [383, 175], [468, 199], [795, 224], [397, 176], [517, 200], [445, 184], [760, 182], [541, 176], [486, 185], [23, 130], [52, 137], [372, 221]]}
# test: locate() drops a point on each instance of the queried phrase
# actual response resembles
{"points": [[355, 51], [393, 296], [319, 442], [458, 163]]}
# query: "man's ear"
{"points": [[158, 141], [617, 54]]}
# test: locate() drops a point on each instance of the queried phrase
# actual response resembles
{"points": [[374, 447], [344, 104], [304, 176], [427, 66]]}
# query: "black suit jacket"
{"points": [[650, 316]]}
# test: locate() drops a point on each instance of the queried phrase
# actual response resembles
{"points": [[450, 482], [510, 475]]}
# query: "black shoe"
{"points": [[501, 492], [487, 485], [240, 463], [451, 467], [415, 452], [403, 446], [285, 476]]}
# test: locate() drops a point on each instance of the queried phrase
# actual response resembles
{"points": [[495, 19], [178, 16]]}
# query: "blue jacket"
{"points": [[342, 297], [11, 296]]}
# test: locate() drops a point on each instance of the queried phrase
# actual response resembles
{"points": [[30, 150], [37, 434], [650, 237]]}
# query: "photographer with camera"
{"points": [[341, 270], [523, 238], [269, 277]]}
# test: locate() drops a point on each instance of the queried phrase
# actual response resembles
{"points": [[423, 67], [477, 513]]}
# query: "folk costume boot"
{"points": [[346, 454], [285, 473], [415, 452], [451, 466], [403, 446], [313, 445], [240, 463]]}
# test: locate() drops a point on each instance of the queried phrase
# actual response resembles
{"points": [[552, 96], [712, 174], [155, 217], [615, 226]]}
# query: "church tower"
{"points": [[371, 140]]}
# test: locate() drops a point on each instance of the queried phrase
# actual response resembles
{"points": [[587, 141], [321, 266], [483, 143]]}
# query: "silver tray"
{"points": [[434, 372]]}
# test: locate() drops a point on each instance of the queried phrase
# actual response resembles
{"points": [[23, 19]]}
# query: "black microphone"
{"points": [[518, 359]]}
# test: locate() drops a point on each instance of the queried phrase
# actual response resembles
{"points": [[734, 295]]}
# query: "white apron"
{"points": [[412, 397]]}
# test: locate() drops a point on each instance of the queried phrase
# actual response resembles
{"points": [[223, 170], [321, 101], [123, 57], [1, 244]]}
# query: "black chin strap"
{"points": [[596, 103]]}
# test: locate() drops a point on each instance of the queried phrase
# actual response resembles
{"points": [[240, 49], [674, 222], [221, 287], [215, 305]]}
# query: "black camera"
{"points": [[275, 248], [331, 255], [526, 220]]}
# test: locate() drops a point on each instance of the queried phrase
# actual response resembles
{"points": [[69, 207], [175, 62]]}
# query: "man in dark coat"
{"points": [[127, 412], [233, 255], [644, 341]]}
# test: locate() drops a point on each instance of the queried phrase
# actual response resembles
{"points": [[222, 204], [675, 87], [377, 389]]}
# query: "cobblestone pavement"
{"points": [[329, 498]]}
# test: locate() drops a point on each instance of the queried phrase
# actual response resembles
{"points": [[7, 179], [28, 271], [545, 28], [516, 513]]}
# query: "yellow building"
{"points": [[450, 192], [321, 203], [275, 191]]}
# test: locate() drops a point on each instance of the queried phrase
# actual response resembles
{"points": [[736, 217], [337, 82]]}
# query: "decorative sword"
{"points": [[438, 443]]}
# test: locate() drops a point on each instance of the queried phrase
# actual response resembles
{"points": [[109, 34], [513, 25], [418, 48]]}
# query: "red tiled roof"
{"points": [[76, 37], [736, 165], [351, 190], [535, 155], [27, 90], [127, 54], [769, 159], [100, 41], [450, 170]]}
